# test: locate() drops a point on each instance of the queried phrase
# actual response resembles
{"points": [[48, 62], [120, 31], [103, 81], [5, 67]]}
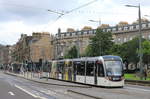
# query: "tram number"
{"points": [[115, 78]]}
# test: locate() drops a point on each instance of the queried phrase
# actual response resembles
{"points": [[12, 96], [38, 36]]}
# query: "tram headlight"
{"points": [[122, 78], [109, 78]]}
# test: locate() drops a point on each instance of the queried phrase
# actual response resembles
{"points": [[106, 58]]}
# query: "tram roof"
{"points": [[106, 57]]}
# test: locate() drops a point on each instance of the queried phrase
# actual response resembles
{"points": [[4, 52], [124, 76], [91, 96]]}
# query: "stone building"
{"points": [[34, 47], [64, 40], [5, 57]]}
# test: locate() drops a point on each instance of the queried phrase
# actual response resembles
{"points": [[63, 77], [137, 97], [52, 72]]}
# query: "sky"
{"points": [[27, 16]]}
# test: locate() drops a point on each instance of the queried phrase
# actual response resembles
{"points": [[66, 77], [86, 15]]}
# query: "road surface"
{"points": [[12, 87]]}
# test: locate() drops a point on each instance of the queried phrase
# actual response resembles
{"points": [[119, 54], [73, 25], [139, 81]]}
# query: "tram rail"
{"points": [[137, 82]]}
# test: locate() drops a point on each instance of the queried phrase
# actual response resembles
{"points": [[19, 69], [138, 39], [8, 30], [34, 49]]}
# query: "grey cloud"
{"points": [[33, 11]]}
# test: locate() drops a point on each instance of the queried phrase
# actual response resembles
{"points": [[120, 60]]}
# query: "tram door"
{"points": [[74, 71], [68, 70], [95, 73]]}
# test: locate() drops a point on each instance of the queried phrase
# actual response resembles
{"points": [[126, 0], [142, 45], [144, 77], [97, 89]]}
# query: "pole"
{"points": [[140, 39], [78, 48], [100, 41], [140, 43]]}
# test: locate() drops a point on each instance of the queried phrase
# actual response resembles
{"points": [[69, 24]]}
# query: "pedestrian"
{"points": [[145, 74]]}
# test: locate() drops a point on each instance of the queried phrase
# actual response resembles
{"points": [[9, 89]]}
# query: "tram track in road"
{"points": [[64, 92], [83, 94], [138, 82], [42, 91], [78, 86]]}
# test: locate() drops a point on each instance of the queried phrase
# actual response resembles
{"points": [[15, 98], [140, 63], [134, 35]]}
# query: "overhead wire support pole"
{"points": [[140, 38]]}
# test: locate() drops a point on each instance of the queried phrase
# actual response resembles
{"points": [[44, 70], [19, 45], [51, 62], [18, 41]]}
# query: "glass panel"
{"points": [[80, 68], [113, 68], [90, 69]]}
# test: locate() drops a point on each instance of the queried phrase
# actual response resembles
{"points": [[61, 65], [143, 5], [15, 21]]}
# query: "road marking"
{"points": [[35, 96], [11, 93], [137, 89]]}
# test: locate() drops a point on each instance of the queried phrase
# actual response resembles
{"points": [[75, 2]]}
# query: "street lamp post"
{"points": [[140, 38], [99, 23]]}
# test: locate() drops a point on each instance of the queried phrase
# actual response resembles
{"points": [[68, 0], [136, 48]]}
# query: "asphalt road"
{"points": [[8, 91], [12, 87]]}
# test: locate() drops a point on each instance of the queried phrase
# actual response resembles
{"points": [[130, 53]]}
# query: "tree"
{"points": [[72, 53], [146, 52], [100, 44], [128, 51]]}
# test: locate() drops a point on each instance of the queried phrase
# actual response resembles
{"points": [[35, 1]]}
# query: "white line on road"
{"points": [[11, 93], [35, 96], [137, 89]]}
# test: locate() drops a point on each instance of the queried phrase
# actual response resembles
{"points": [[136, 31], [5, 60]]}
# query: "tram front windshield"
{"points": [[114, 68]]}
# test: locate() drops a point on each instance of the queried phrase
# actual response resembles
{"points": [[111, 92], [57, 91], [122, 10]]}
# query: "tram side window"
{"points": [[90, 69], [80, 69], [100, 70], [59, 68]]}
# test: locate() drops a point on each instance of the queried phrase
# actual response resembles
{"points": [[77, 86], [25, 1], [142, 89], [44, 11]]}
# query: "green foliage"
{"points": [[100, 44], [72, 53], [146, 47], [128, 50], [134, 77], [146, 51]]}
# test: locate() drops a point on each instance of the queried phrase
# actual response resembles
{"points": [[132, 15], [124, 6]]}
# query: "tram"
{"points": [[104, 71]]}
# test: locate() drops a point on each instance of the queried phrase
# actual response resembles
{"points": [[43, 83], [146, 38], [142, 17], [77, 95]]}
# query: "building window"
{"points": [[125, 28], [125, 39], [148, 24], [85, 32], [130, 38], [114, 29], [62, 35], [137, 26], [70, 34], [78, 33], [73, 34], [90, 32], [143, 25], [143, 36], [131, 27], [149, 37], [119, 39], [108, 30], [104, 30], [120, 28], [94, 32]]}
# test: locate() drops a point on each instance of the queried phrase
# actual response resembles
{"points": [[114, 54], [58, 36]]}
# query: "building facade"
{"points": [[64, 40], [5, 57], [32, 48]]}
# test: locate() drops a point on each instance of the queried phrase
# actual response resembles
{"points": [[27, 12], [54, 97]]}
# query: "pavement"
{"points": [[67, 90]]}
